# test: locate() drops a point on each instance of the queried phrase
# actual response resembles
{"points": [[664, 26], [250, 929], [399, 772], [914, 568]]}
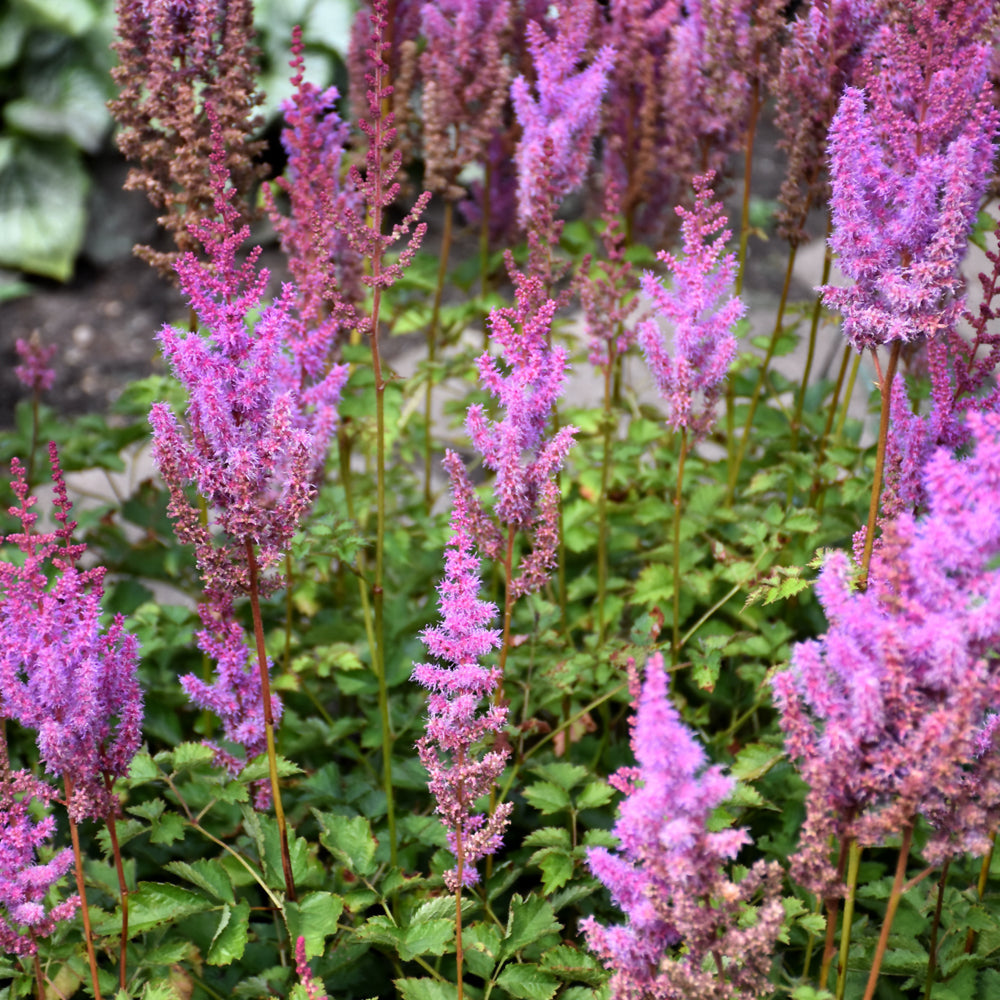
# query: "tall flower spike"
{"points": [[667, 874], [61, 674], [459, 686], [702, 315], [256, 438], [25, 881], [34, 371], [176, 59], [235, 694], [567, 110], [891, 711], [910, 157], [515, 446]]}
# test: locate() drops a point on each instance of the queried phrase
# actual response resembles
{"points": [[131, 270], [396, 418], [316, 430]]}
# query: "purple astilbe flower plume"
{"points": [[235, 694], [461, 715], [255, 437], [515, 446], [465, 80], [25, 881], [566, 111], [35, 371], [703, 313], [61, 674], [891, 711], [667, 875], [910, 157], [327, 271]]}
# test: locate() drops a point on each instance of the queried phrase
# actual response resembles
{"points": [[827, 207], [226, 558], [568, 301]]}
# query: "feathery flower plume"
{"points": [[235, 695], [177, 58], [458, 723], [61, 674], [465, 82], [702, 316], [327, 271], [35, 371], [25, 881], [256, 436], [515, 446], [566, 111], [910, 157], [891, 711], [312, 986], [667, 875]]}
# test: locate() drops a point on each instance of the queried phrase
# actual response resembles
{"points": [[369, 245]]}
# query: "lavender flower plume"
{"points": [[460, 687], [890, 710], [35, 371], [910, 156], [25, 880], [235, 694], [667, 874], [515, 445], [61, 674], [255, 436], [700, 311], [566, 111]]}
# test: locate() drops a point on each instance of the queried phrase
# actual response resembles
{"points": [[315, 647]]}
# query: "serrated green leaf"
{"points": [[155, 903], [349, 839], [314, 918], [169, 952], [190, 755], [426, 989], [143, 768], [814, 923], [595, 795], [431, 937], [258, 769], [573, 965], [563, 774], [547, 798], [754, 761], [230, 937], [480, 944], [528, 982], [529, 920], [548, 836], [168, 829], [206, 875], [557, 869]]}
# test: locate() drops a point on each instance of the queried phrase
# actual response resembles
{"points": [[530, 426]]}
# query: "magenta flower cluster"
{"points": [[25, 880], [666, 875], [567, 111], [703, 312], [35, 371], [892, 712], [461, 714], [254, 437], [910, 157], [61, 673]]}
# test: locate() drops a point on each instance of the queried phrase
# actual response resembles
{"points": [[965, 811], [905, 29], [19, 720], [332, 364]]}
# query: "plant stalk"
{"points": [[81, 888], [675, 645], [853, 862], [109, 821]]}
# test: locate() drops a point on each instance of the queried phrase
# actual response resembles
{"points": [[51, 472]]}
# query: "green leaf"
{"points": [[548, 836], [529, 921], [315, 919], [230, 937], [557, 869], [426, 989], [349, 839], [528, 982], [206, 875], [43, 194], [546, 797], [754, 761], [69, 17], [168, 829], [429, 937], [190, 755], [480, 944], [563, 774], [155, 903], [595, 795], [259, 770], [573, 965]]}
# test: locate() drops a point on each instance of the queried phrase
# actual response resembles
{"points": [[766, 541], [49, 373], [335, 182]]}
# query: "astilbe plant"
{"points": [[891, 713], [686, 935], [177, 58]]}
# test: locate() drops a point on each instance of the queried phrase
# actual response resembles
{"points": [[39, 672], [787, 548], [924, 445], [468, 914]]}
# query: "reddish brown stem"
{"points": [[109, 821], [81, 889]]}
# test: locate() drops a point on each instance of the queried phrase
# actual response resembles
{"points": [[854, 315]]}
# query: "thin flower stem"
{"points": [[885, 389], [935, 927], [602, 499], [289, 611], [508, 608], [890, 913], [265, 693], [848, 394], [853, 863], [459, 874], [984, 874], [734, 469], [484, 250], [432, 332], [81, 888], [818, 489], [832, 906], [109, 821], [39, 978], [675, 646]]}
